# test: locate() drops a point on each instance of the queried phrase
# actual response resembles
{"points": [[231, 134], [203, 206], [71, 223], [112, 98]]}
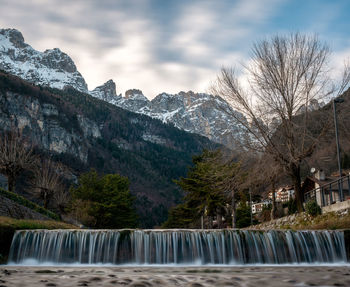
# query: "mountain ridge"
{"points": [[193, 112]]}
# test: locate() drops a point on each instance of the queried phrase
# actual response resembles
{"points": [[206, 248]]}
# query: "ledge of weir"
{"points": [[128, 231]]}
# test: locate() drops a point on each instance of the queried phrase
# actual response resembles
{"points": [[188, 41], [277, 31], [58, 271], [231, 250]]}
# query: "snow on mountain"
{"points": [[51, 68], [199, 113], [134, 100]]}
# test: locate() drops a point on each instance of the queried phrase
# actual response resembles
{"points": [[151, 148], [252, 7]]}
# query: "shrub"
{"points": [[243, 215], [292, 206], [313, 208]]}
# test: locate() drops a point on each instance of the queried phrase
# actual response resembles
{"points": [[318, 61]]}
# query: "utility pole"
{"points": [[335, 101], [233, 209], [250, 199]]}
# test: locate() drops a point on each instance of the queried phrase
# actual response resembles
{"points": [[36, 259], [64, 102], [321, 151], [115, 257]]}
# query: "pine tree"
{"points": [[208, 191], [106, 200]]}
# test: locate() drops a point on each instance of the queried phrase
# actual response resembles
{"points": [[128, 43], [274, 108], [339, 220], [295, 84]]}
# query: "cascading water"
{"points": [[178, 246]]}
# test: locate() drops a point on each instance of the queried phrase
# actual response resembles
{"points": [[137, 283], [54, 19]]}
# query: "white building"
{"points": [[258, 207], [283, 194]]}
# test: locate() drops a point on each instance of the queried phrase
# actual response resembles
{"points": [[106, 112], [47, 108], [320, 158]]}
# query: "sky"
{"points": [[170, 45]]}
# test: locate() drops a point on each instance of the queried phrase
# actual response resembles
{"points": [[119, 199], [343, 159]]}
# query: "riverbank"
{"points": [[176, 276], [303, 221]]}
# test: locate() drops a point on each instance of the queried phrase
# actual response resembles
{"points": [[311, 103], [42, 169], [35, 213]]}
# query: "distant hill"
{"points": [[84, 132]]}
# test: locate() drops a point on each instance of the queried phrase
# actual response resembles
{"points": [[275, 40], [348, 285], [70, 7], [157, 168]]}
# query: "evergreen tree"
{"points": [[208, 191], [106, 200], [243, 212]]}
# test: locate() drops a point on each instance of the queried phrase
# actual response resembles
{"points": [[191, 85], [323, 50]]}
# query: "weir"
{"points": [[232, 247]]}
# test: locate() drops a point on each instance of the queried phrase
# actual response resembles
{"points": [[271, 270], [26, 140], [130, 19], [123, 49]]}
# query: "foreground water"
{"points": [[13, 276], [178, 247]]}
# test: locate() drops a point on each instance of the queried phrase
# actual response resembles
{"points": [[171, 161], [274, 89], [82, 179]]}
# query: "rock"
{"points": [[106, 92]]}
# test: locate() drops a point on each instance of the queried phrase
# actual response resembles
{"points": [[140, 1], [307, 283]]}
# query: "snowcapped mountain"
{"points": [[193, 112], [49, 68], [199, 113]]}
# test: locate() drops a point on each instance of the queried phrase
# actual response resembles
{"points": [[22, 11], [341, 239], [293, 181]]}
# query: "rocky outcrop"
{"points": [[51, 68], [303, 221], [106, 92], [134, 100], [44, 124]]}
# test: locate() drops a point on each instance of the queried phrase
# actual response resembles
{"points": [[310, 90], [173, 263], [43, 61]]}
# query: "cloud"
{"points": [[152, 45]]}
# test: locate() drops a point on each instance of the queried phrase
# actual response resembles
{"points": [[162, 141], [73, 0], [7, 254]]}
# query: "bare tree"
{"points": [[47, 182], [286, 73], [61, 198], [16, 155], [266, 172]]}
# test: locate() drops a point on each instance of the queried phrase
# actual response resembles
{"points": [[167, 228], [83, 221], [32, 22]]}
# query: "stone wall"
{"points": [[283, 222], [12, 209], [336, 206]]}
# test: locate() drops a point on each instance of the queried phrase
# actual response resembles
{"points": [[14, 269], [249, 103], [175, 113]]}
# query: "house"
{"points": [[258, 207], [325, 189], [283, 194]]}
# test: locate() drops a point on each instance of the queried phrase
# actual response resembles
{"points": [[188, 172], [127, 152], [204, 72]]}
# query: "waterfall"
{"points": [[178, 246]]}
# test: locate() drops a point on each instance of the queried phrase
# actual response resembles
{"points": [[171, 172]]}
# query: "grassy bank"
{"points": [[329, 221], [27, 203], [8, 226], [15, 224]]}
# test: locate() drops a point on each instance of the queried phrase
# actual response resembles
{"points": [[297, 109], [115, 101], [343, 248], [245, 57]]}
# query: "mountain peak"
{"points": [[135, 94], [51, 68], [106, 92], [14, 36], [56, 59]]}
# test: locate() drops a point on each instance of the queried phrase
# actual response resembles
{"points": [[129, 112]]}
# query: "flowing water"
{"points": [[232, 247]]}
